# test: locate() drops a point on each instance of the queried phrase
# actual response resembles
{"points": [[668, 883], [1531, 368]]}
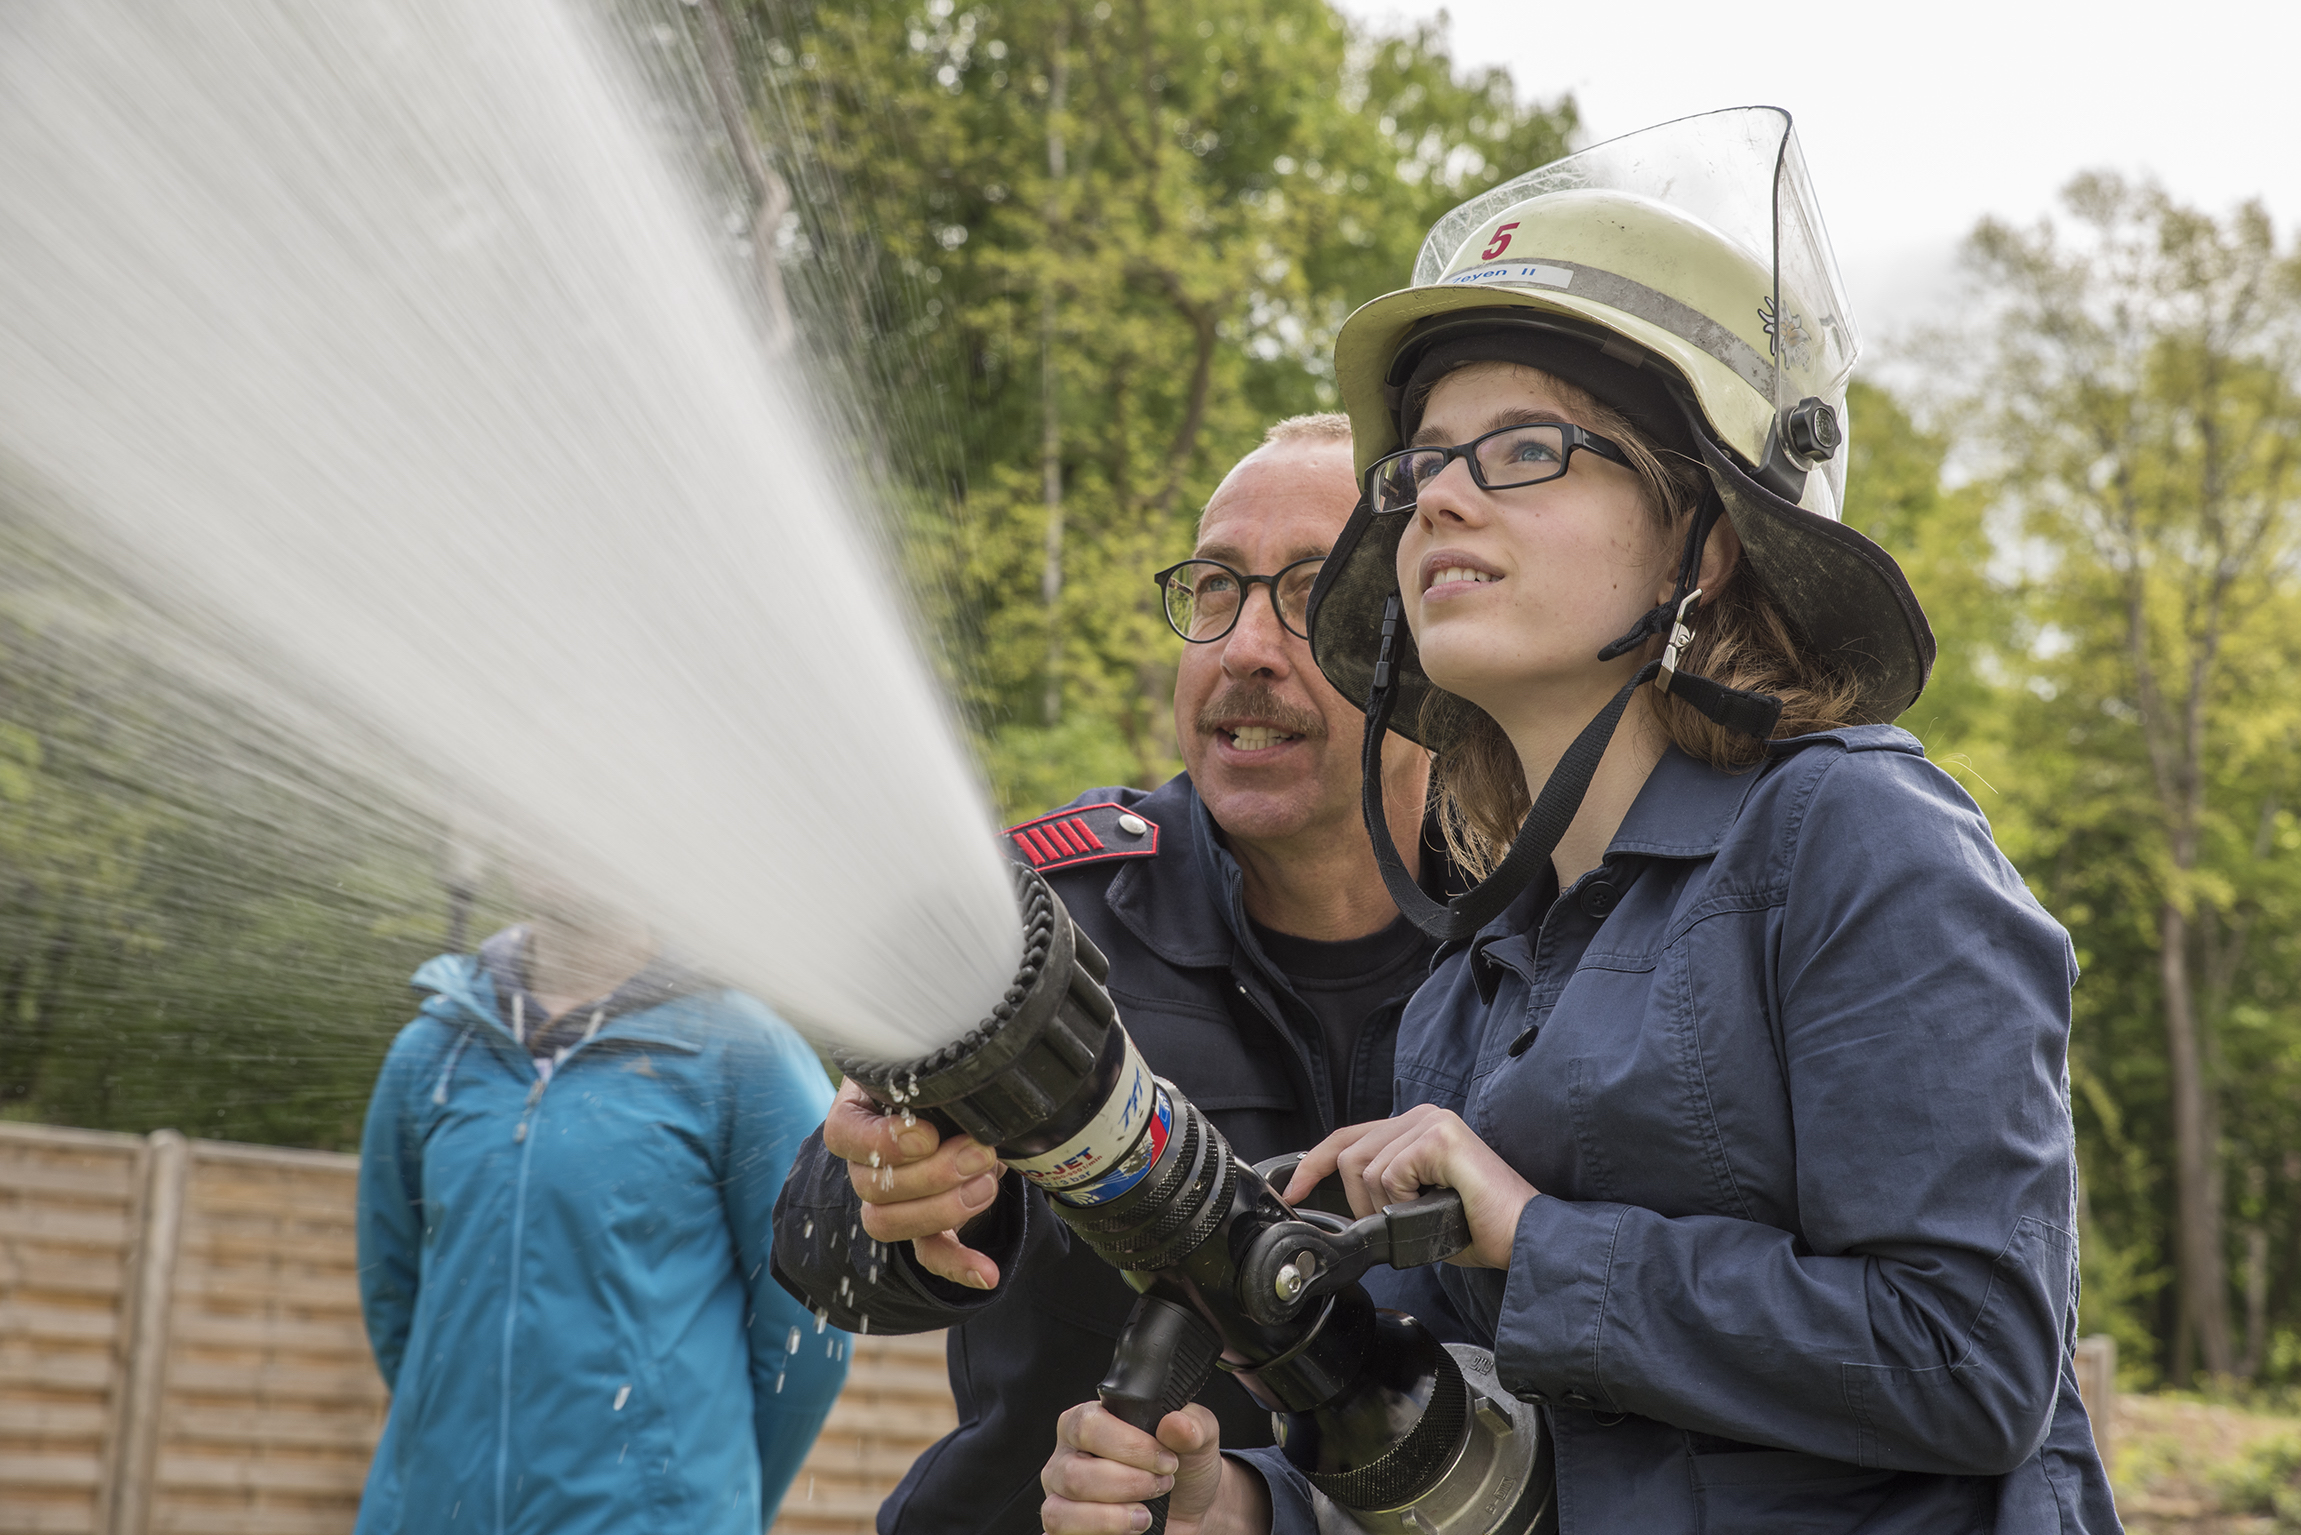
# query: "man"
{"points": [[563, 1225], [1255, 957]]}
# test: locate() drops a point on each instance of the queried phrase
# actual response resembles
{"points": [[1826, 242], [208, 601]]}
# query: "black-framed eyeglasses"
{"points": [[1504, 459], [1203, 598]]}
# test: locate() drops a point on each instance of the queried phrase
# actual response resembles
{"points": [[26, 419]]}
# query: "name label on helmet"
{"points": [[1518, 271]]}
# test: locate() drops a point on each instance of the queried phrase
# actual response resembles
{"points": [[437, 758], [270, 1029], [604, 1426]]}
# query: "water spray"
{"points": [[1395, 1430], [388, 342]]}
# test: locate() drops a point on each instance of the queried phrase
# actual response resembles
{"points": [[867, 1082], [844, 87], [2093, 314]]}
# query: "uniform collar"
{"points": [[1188, 905], [1179, 903], [1683, 811]]}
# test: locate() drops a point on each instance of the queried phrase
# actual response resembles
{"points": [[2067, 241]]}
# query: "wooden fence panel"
{"points": [[272, 1403], [68, 1217], [236, 1394], [897, 1401]]}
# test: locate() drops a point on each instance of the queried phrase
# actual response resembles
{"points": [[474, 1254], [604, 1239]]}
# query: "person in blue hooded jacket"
{"points": [[566, 1189], [1748, 1056]]}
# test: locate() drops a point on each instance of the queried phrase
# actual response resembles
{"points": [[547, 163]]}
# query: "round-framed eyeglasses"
{"points": [[1203, 598], [1504, 459]]}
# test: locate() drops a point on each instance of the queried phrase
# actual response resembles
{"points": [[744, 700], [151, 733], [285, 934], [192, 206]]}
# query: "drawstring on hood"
{"points": [[447, 1072]]}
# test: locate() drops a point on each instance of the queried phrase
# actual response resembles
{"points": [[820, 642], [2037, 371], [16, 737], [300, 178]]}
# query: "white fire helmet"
{"points": [[1682, 275]]}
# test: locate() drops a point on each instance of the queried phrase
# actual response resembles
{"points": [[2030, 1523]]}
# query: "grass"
{"points": [[2185, 1465]]}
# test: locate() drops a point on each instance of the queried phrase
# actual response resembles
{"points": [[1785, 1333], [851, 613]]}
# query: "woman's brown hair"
{"points": [[1741, 639]]}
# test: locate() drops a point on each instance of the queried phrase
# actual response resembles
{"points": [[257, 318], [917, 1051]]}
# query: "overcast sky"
{"points": [[1919, 119]]}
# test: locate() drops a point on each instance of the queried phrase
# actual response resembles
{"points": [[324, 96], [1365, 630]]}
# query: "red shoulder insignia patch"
{"points": [[1083, 834]]}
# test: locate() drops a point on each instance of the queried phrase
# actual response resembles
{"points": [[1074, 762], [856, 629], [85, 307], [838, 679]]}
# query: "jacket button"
{"points": [[1599, 898]]}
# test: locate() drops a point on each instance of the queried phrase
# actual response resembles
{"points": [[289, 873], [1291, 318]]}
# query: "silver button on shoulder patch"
{"points": [[1133, 825]]}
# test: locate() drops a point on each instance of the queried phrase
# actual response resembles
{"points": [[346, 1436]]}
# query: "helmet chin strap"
{"points": [[1753, 714]]}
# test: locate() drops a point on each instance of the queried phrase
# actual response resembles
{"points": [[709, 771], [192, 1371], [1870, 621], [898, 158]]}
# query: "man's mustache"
{"points": [[1256, 701]]}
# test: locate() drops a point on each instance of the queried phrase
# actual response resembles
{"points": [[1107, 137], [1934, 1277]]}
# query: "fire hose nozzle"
{"points": [[1384, 1420]]}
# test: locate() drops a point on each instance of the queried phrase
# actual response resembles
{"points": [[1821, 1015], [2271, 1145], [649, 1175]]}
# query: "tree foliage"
{"points": [[2139, 391], [200, 925], [1085, 253]]}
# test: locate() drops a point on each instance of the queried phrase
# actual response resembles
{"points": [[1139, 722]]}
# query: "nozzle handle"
{"points": [[1293, 1263], [1164, 1356]]}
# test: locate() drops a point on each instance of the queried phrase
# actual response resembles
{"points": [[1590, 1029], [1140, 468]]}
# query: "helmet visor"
{"points": [[1741, 172]]}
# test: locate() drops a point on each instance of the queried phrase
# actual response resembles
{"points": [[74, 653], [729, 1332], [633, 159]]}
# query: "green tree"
{"points": [[200, 926], [2141, 389], [1082, 254]]}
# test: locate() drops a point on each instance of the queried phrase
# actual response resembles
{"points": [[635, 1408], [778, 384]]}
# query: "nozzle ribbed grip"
{"points": [[1163, 1359]]}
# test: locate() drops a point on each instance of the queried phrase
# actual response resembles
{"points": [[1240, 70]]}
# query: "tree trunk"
{"points": [[2256, 1275], [2199, 1265], [770, 197]]}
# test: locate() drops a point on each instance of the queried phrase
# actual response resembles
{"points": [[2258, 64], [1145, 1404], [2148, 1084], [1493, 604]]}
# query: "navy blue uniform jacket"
{"points": [[1210, 1014], [1788, 1072]]}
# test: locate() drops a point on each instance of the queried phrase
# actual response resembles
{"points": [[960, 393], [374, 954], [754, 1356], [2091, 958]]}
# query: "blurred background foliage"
{"points": [[1071, 259]]}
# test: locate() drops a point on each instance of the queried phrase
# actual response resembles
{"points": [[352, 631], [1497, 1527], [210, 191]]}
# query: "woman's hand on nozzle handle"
{"points": [[1104, 1472], [916, 1186], [1391, 1161]]}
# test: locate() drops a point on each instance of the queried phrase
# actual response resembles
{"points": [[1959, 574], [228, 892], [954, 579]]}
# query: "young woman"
{"points": [[1748, 1057]]}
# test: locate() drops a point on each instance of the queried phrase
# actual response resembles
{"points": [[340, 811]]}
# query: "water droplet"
{"points": [[778, 1381], [808, 1229], [792, 1347], [865, 1329], [621, 1397], [874, 1159], [909, 1119], [821, 1317]]}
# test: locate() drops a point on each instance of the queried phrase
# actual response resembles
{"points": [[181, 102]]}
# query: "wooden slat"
{"points": [[27, 1369], [57, 1323], [353, 1429], [72, 1418], [72, 1225], [329, 1294], [184, 1469], [22, 1517], [58, 1138], [314, 1166], [205, 1329]]}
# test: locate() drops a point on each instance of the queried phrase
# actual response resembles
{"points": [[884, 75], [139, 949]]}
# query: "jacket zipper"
{"points": [[1301, 1053], [511, 1304], [527, 1112]]}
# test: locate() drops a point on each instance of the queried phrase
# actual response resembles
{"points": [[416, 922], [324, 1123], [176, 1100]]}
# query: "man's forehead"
{"points": [[1284, 502]]}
